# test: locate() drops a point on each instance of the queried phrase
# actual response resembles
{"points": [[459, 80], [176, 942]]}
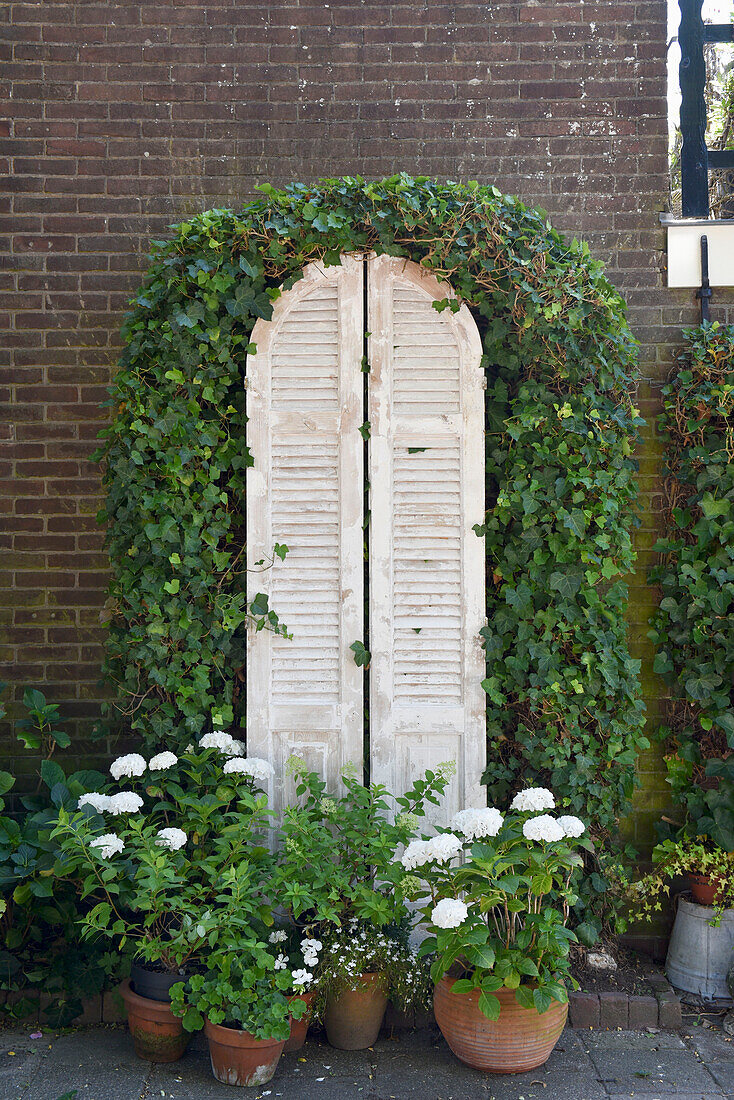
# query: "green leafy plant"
{"points": [[693, 627], [563, 696], [335, 863], [498, 917], [243, 988], [359, 948], [684, 856]]}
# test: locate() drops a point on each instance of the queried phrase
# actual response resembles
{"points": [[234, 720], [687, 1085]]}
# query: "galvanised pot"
{"points": [[238, 1058], [521, 1039]]}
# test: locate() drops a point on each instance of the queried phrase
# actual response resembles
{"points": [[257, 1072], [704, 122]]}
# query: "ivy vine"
{"points": [[693, 627], [563, 695]]}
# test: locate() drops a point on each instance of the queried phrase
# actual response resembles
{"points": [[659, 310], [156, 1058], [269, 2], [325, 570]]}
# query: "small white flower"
{"points": [[109, 844], [543, 828], [128, 766], [125, 802], [474, 823], [449, 913], [302, 977], [281, 962], [162, 762], [100, 802], [257, 769], [171, 838], [279, 936], [572, 826], [218, 739], [312, 945], [533, 799]]}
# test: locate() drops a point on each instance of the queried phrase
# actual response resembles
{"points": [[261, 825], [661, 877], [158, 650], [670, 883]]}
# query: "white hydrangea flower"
{"points": [[415, 855], [449, 913], [279, 936], [302, 977], [281, 962], [257, 769], [109, 845], [162, 762], [543, 828], [100, 802], [444, 847], [125, 802], [572, 826], [533, 799], [218, 739], [171, 838], [128, 766], [474, 823]]}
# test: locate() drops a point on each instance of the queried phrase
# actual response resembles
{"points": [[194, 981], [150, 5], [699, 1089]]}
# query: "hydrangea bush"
{"points": [[496, 891], [166, 877]]}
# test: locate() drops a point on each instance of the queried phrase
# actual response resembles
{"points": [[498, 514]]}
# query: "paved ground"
{"points": [[99, 1064]]}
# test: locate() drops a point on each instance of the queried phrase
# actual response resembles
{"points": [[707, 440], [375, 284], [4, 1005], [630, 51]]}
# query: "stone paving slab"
{"points": [[99, 1064]]}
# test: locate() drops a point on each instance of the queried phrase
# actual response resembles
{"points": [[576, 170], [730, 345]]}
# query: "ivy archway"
{"points": [[563, 693]]}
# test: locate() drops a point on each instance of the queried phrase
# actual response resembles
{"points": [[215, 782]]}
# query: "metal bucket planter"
{"points": [[700, 955]]}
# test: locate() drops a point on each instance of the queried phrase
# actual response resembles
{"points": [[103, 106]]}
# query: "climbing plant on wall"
{"points": [[563, 695], [693, 627]]}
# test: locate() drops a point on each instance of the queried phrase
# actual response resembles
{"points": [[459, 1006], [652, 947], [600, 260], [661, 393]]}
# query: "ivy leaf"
{"points": [[566, 584]]}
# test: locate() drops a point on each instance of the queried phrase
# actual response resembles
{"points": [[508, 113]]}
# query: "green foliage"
{"points": [[673, 858], [693, 627], [336, 862], [40, 943], [562, 689]]}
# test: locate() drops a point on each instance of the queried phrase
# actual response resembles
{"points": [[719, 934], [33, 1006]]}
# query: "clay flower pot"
{"points": [[238, 1058], [519, 1040], [299, 1028], [704, 888], [158, 1035], [353, 1018]]}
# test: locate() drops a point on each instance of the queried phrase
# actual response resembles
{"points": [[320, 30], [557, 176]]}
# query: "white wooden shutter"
{"points": [[426, 592], [305, 408]]}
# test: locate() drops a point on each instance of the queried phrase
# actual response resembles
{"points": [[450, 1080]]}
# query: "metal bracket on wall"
{"points": [[704, 292]]}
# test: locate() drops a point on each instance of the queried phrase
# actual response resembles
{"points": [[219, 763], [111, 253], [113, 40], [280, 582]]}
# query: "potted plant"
{"points": [[335, 876], [496, 893], [242, 1003], [163, 878], [699, 952]]}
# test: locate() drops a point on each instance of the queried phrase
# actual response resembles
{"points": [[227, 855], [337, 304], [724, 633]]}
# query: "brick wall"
{"points": [[124, 117]]}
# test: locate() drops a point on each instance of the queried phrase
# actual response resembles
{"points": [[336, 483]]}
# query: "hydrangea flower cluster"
{"points": [[226, 744], [439, 849], [533, 800], [128, 766], [173, 839], [257, 769], [572, 826], [109, 844], [476, 823], [162, 762], [449, 913], [544, 828]]}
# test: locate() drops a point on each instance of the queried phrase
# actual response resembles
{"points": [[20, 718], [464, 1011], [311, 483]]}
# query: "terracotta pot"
{"points": [[519, 1040], [158, 1035], [299, 1028], [704, 888], [238, 1058], [353, 1018]]}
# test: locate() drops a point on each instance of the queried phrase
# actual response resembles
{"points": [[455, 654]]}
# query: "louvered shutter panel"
{"points": [[305, 408], [426, 592]]}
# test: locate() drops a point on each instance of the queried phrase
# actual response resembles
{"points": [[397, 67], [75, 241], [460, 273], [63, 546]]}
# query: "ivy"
{"points": [[563, 694], [693, 627]]}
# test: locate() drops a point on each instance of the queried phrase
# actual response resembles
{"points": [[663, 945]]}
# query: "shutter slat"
{"points": [[304, 404], [427, 565]]}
